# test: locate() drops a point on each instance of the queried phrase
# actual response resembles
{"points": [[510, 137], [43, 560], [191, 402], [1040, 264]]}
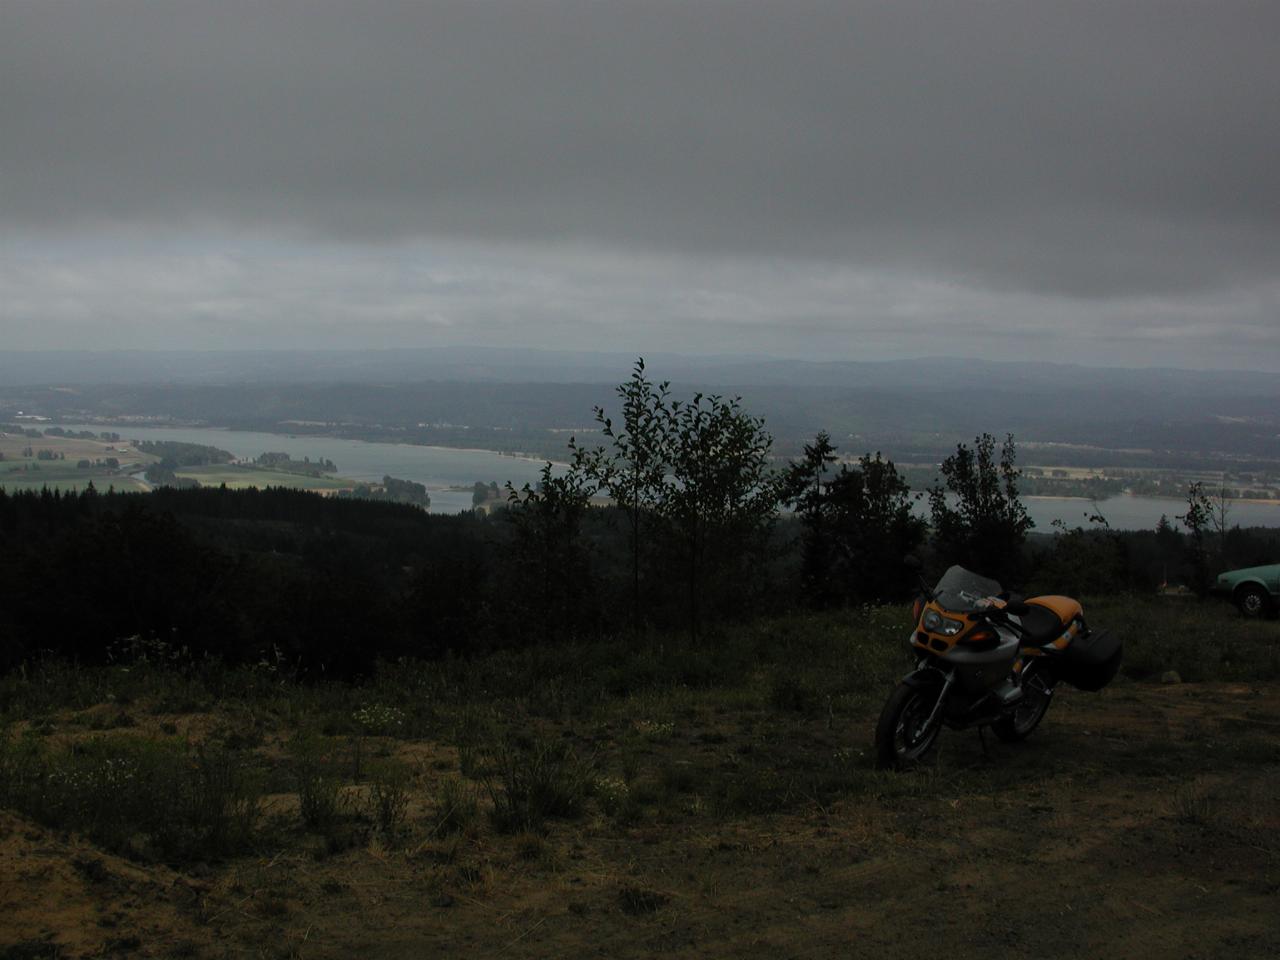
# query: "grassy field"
{"points": [[12, 445], [238, 477], [19, 472], [631, 798]]}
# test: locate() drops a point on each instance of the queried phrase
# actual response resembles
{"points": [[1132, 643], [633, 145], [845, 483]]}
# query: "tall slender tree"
{"points": [[632, 468], [808, 493]]}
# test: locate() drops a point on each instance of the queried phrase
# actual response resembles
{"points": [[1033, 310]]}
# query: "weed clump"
{"points": [[531, 780], [637, 901], [389, 798], [457, 810], [1194, 805], [140, 798], [321, 804]]}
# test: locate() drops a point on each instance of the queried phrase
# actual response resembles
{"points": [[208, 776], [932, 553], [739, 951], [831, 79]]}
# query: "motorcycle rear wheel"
{"points": [[1037, 692], [900, 740]]}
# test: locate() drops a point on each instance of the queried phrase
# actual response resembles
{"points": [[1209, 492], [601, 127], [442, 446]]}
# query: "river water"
{"points": [[439, 468]]}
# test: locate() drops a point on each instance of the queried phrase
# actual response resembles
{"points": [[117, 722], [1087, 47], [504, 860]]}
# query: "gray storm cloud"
{"points": [[1115, 161]]}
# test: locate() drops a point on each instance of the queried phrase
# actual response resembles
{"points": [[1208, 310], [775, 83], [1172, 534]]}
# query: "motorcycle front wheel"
{"points": [[901, 738]]}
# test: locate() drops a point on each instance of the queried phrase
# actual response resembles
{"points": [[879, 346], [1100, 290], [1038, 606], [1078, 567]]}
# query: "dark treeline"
{"points": [[691, 542], [175, 455], [392, 490], [317, 584], [326, 586]]}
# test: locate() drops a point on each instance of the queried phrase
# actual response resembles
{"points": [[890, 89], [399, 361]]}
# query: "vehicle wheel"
{"points": [[1253, 601], [900, 740], [1037, 691]]}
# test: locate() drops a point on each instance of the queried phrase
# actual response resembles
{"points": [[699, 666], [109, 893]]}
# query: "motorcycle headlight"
{"points": [[935, 622]]}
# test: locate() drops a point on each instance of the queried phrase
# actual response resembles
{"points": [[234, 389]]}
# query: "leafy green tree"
{"points": [[720, 497], [988, 524], [1086, 560], [632, 468], [874, 529]]}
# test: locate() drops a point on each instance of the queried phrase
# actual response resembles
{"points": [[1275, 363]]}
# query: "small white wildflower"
{"points": [[379, 718], [655, 729]]}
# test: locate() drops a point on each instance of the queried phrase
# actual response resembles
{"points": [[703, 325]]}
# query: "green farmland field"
{"points": [[239, 477], [20, 471]]}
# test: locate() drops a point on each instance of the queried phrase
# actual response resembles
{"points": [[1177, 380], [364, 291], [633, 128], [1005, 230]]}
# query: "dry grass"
{"points": [[736, 818]]}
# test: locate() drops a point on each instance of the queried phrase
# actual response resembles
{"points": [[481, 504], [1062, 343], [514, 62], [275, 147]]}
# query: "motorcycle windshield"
{"points": [[961, 590]]}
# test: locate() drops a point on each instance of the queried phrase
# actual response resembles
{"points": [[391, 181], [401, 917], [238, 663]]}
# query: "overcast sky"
{"points": [[1059, 181]]}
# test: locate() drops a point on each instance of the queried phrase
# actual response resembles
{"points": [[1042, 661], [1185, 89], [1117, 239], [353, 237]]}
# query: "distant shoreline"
{"points": [[532, 459]]}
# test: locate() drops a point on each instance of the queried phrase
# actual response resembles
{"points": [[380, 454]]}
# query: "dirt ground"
{"points": [[1140, 822]]}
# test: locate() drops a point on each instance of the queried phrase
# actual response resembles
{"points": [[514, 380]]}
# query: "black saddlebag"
{"points": [[1091, 662]]}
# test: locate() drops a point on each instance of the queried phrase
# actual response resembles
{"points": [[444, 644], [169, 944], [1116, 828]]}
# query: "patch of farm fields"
{"points": [[240, 477]]}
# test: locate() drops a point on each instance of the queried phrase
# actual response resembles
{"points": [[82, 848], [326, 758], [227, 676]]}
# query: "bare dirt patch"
{"points": [[60, 896]]}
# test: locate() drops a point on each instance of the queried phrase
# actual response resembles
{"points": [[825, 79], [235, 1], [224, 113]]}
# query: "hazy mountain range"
{"points": [[473, 364], [909, 407]]}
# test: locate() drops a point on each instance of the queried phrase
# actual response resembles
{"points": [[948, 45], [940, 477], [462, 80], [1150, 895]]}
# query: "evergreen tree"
{"points": [[858, 527], [553, 576]]}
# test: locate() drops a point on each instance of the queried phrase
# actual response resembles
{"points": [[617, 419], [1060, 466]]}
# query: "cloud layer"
{"points": [[1015, 170]]}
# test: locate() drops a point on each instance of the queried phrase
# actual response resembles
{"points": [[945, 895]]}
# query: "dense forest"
{"points": [[692, 540]]}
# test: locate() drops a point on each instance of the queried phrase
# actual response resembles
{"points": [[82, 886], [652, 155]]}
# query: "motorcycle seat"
{"points": [[1041, 624]]}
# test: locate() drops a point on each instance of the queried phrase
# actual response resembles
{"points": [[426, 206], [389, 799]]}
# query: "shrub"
{"points": [[320, 802], [136, 797], [474, 730], [456, 808], [531, 780], [389, 797]]}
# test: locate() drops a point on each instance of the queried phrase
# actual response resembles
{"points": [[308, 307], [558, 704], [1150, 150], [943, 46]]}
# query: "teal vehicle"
{"points": [[1255, 590]]}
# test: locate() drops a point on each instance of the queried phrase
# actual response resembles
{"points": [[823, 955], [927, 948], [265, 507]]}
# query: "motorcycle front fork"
{"points": [[934, 715]]}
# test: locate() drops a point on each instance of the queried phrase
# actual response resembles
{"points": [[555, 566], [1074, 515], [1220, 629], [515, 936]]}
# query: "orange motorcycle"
{"points": [[985, 658]]}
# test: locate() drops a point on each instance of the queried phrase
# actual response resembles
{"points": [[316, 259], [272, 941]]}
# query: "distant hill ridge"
{"points": [[466, 364]]}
